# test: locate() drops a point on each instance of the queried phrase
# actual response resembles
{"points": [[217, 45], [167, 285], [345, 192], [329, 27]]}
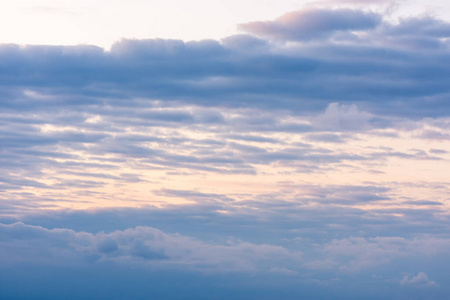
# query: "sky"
{"points": [[224, 149]]}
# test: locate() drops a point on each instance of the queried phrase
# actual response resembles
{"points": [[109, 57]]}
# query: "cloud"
{"points": [[143, 245], [341, 117], [431, 134], [245, 42], [424, 26], [298, 160], [283, 271], [326, 137], [356, 253], [375, 70], [280, 234], [421, 280], [312, 23]]}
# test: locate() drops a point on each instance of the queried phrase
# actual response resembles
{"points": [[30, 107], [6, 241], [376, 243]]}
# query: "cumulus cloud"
{"points": [[137, 245], [341, 117], [421, 280]]}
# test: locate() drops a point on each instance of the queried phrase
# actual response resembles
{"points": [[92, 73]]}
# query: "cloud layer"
{"points": [[310, 151]]}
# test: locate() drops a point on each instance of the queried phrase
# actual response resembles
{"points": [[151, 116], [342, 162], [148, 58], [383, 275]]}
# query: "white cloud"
{"points": [[343, 117], [420, 280]]}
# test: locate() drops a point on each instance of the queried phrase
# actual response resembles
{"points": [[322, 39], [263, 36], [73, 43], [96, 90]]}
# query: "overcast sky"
{"points": [[224, 150]]}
